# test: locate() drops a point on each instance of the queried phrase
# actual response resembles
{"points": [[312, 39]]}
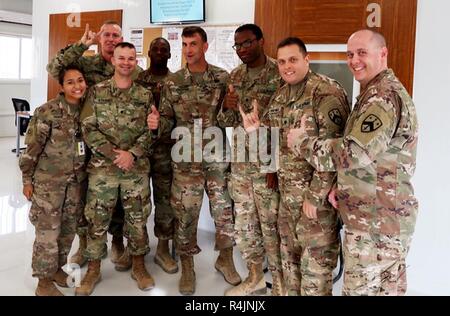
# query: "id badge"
{"points": [[81, 149]]}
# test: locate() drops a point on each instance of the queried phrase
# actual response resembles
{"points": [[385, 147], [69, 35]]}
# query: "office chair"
{"points": [[21, 105]]}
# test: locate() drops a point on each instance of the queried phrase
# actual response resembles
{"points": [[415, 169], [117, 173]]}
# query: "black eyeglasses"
{"points": [[245, 44]]}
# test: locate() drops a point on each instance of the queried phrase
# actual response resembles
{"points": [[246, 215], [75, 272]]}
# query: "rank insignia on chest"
{"points": [[371, 124]]}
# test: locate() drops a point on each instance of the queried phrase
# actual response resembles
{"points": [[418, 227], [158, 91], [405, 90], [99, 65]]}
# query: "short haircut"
{"points": [[255, 29], [378, 38], [111, 22], [125, 45], [63, 72], [190, 31], [293, 41], [159, 39]]}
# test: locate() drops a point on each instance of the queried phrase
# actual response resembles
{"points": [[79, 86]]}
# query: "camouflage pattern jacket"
{"points": [[260, 88], [119, 121], [375, 159], [52, 139], [95, 68], [185, 103], [327, 100]]}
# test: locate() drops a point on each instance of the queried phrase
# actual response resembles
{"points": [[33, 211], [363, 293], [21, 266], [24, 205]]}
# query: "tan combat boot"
{"points": [[253, 284], [91, 278], [187, 280], [124, 263], [60, 278], [278, 288], [163, 257], [225, 265], [46, 287], [139, 273], [78, 257], [117, 249]]}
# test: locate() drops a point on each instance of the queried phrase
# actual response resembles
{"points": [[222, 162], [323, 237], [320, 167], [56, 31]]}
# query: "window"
{"points": [[15, 57]]}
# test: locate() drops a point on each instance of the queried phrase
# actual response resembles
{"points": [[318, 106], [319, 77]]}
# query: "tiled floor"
{"points": [[17, 235]]}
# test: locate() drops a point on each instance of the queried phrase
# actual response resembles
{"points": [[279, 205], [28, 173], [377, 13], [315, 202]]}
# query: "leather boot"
{"points": [[78, 257], [139, 273], [124, 263], [46, 287], [117, 248], [60, 278], [278, 288], [163, 257], [187, 280], [225, 265], [253, 284], [91, 278]]}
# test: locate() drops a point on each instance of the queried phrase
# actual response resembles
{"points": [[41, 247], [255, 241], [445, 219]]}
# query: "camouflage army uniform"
{"points": [[185, 103], [256, 206], [119, 121], [95, 69], [309, 248], [160, 160], [375, 161], [55, 167]]}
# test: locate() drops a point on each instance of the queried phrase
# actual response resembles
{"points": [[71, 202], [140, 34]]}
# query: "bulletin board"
{"points": [[220, 39]]}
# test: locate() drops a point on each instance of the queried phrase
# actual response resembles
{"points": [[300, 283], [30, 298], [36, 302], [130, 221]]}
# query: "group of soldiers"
{"points": [[329, 163]]}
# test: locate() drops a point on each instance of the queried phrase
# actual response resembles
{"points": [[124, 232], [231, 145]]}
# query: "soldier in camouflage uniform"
{"points": [[53, 167], [96, 68], [160, 160], [255, 194], [307, 221], [119, 138], [191, 99], [375, 161]]}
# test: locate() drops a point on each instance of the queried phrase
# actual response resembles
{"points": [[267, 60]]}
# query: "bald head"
{"points": [[366, 55], [374, 37]]}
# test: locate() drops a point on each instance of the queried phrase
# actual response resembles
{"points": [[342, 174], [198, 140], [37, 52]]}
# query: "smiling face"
{"points": [[366, 57], [73, 86], [293, 65], [124, 61]]}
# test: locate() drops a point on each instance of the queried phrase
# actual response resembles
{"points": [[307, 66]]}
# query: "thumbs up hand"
{"points": [[153, 119], [231, 99]]}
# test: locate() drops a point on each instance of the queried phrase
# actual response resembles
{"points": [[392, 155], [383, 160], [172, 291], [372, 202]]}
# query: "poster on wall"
{"points": [[220, 51], [137, 39], [173, 35]]}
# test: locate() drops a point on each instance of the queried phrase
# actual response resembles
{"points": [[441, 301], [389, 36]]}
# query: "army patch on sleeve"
{"points": [[371, 123], [335, 116]]}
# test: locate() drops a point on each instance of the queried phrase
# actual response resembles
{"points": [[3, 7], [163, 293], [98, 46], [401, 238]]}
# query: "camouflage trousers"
{"points": [[309, 247], [161, 175], [102, 196], [54, 212], [256, 215], [117, 221], [190, 180], [374, 264]]}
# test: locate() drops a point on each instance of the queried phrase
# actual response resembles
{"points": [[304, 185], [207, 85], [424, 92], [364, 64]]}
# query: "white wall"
{"points": [[12, 88], [429, 259]]}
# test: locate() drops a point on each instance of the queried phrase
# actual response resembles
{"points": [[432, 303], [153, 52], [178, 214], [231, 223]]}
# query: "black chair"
{"points": [[21, 105]]}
